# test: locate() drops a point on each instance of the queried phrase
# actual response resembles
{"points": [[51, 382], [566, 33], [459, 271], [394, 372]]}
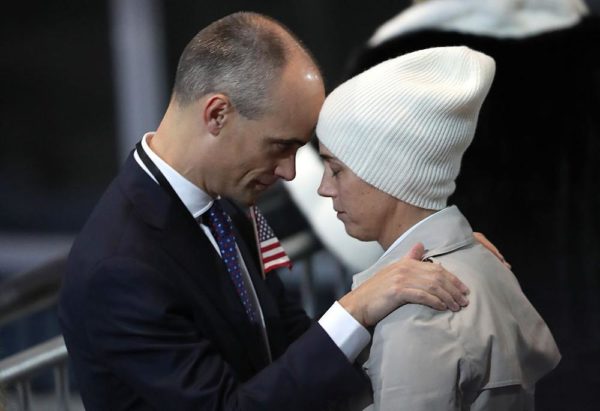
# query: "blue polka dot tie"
{"points": [[220, 225]]}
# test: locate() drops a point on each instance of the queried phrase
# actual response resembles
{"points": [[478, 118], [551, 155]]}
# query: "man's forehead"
{"points": [[325, 153]]}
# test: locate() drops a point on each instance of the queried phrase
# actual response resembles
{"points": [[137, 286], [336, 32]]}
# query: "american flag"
{"points": [[272, 254]]}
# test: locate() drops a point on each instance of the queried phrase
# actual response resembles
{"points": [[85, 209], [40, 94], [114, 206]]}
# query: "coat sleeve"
{"points": [[415, 362], [140, 333]]}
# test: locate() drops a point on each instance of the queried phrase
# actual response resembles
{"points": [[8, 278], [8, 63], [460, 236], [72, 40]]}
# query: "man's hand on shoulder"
{"points": [[492, 248], [406, 281]]}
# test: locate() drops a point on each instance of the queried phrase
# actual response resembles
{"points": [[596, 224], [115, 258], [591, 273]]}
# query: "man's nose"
{"points": [[286, 168]]}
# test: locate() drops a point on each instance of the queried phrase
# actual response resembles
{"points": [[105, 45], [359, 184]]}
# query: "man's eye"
{"points": [[334, 172], [281, 147]]}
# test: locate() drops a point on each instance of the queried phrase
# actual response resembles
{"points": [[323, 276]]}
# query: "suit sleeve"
{"points": [[142, 335], [294, 318], [415, 362]]}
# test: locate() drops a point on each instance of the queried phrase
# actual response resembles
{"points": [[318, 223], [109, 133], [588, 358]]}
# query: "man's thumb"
{"points": [[416, 252]]}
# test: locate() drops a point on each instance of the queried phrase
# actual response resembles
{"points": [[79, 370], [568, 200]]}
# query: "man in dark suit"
{"points": [[163, 305]]}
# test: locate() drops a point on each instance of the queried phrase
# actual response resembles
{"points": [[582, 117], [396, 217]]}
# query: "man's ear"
{"points": [[215, 113]]}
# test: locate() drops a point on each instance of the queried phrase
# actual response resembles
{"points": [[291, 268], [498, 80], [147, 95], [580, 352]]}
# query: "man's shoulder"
{"points": [[105, 228], [124, 220]]}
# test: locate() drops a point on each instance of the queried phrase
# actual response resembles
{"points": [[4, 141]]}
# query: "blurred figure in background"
{"points": [[532, 172]]}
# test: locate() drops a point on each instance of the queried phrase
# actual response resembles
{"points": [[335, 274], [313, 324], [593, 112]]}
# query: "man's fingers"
{"points": [[454, 287], [446, 293], [416, 252], [439, 288], [445, 286], [423, 297], [491, 247], [406, 281], [456, 284], [453, 282]]}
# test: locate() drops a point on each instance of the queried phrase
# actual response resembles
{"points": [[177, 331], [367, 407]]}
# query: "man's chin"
{"points": [[248, 197], [249, 194], [245, 200]]}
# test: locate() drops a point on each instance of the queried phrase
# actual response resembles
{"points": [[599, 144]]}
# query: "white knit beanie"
{"points": [[403, 125]]}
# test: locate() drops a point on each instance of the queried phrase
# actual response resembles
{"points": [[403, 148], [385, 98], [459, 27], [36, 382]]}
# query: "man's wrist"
{"points": [[348, 303], [345, 331]]}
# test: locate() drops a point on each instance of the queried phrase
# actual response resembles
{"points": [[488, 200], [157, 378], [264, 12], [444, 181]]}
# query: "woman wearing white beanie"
{"points": [[533, 166], [392, 139]]}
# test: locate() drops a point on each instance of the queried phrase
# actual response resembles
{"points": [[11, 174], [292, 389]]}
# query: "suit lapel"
{"points": [[182, 238], [195, 252], [248, 247], [186, 243]]}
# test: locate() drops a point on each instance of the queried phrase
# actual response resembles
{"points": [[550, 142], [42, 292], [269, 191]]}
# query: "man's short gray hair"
{"points": [[241, 55]]}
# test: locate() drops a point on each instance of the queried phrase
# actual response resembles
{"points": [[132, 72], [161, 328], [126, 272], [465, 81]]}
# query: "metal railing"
{"points": [[18, 370], [31, 291]]}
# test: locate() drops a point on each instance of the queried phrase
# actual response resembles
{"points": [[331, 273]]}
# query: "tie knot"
{"points": [[219, 222]]}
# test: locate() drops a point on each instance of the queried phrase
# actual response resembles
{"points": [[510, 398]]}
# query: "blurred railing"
{"points": [[31, 291], [20, 296], [38, 289], [19, 369]]}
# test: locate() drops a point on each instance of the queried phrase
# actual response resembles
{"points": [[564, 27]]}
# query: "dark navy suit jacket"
{"points": [[152, 321]]}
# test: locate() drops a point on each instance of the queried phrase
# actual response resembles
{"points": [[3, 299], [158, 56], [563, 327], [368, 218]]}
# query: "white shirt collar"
{"points": [[195, 199], [407, 232]]}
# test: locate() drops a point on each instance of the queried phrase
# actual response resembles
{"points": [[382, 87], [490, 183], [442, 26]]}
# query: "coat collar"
{"points": [[443, 232]]}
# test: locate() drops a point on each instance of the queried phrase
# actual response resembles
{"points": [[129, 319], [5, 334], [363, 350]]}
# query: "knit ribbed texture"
{"points": [[403, 125]]}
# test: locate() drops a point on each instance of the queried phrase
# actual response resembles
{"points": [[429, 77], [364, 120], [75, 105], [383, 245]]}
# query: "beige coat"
{"points": [[488, 356]]}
